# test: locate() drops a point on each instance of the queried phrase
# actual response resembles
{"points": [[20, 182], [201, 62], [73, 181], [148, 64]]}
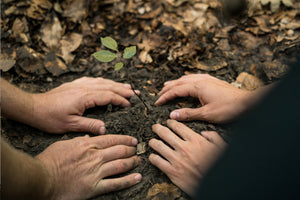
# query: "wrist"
{"points": [[47, 188]]}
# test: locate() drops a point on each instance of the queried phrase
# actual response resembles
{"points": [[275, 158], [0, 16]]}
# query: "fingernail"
{"points": [[138, 178], [126, 85], [102, 130], [137, 91], [166, 83], [174, 115], [134, 141]]}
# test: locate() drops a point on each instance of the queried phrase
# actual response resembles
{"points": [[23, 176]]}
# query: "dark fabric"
{"points": [[263, 160]]}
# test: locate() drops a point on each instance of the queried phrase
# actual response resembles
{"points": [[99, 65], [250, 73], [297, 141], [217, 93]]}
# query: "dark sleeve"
{"points": [[263, 160]]}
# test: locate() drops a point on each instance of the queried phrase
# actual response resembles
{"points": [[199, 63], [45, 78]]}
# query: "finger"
{"points": [[119, 166], [167, 135], [162, 149], [110, 185], [105, 97], [182, 130], [121, 89], [107, 84], [189, 114], [186, 79], [215, 138], [105, 141], [84, 124], [177, 91], [117, 152], [160, 163]]}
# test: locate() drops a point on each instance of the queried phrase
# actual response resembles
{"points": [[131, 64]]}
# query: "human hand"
{"points": [[192, 156], [60, 110], [78, 168], [221, 102]]}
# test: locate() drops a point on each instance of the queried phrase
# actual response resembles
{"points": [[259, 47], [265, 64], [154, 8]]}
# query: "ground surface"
{"points": [[45, 44]]}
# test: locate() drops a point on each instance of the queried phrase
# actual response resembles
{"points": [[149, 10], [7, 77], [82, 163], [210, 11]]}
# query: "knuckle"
{"points": [[84, 143], [186, 114], [92, 126], [120, 166]]}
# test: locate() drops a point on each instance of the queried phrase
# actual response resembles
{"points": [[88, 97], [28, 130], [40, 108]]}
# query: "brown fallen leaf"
{"points": [[262, 23], [145, 57], [38, 9], [176, 3], [6, 65], [30, 60], [152, 14], [248, 81], [166, 191], [18, 27], [211, 67], [54, 65], [76, 10], [141, 148], [51, 33], [275, 69], [249, 41], [70, 43]]}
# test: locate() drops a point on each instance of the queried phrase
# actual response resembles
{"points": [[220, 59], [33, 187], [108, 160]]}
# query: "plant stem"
{"points": [[138, 96]]}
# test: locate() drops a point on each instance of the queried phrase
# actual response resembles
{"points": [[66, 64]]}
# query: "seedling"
{"points": [[108, 56]]}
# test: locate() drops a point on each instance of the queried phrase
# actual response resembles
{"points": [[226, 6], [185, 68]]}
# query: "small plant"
{"points": [[108, 56]]}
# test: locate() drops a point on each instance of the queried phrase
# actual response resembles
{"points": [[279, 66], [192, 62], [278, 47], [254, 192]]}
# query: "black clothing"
{"points": [[263, 159]]}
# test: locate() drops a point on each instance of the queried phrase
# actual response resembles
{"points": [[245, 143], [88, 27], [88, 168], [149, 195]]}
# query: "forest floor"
{"points": [[47, 43]]}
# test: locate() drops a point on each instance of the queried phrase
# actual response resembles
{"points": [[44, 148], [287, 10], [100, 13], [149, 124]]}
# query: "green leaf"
{"points": [[119, 66], [104, 56], [129, 52], [110, 43]]}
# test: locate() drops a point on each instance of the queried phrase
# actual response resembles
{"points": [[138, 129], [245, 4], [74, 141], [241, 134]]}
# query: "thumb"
{"points": [[90, 125], [189, 114]]}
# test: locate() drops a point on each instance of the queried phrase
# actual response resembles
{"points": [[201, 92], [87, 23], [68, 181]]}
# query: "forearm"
{"points": [[22, 176], [16, 104]]}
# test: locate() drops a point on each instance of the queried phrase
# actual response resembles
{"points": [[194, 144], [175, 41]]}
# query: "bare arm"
{"points": [[64, 172], [60, 110], [22, 176], [16, 103]]}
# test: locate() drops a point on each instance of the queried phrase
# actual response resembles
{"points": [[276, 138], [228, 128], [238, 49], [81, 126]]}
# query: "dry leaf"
{"points": [[261, 22], [248, 81], [76, 10], [70, 43], [153, 14], [275, 4], [38, 8], [275, 69], [54, 65], [145, 57], [141, 148], [18, 27], [212, 67], [30, 60], [51, 33], [6, 65], [249, 41], [168, 191]]}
